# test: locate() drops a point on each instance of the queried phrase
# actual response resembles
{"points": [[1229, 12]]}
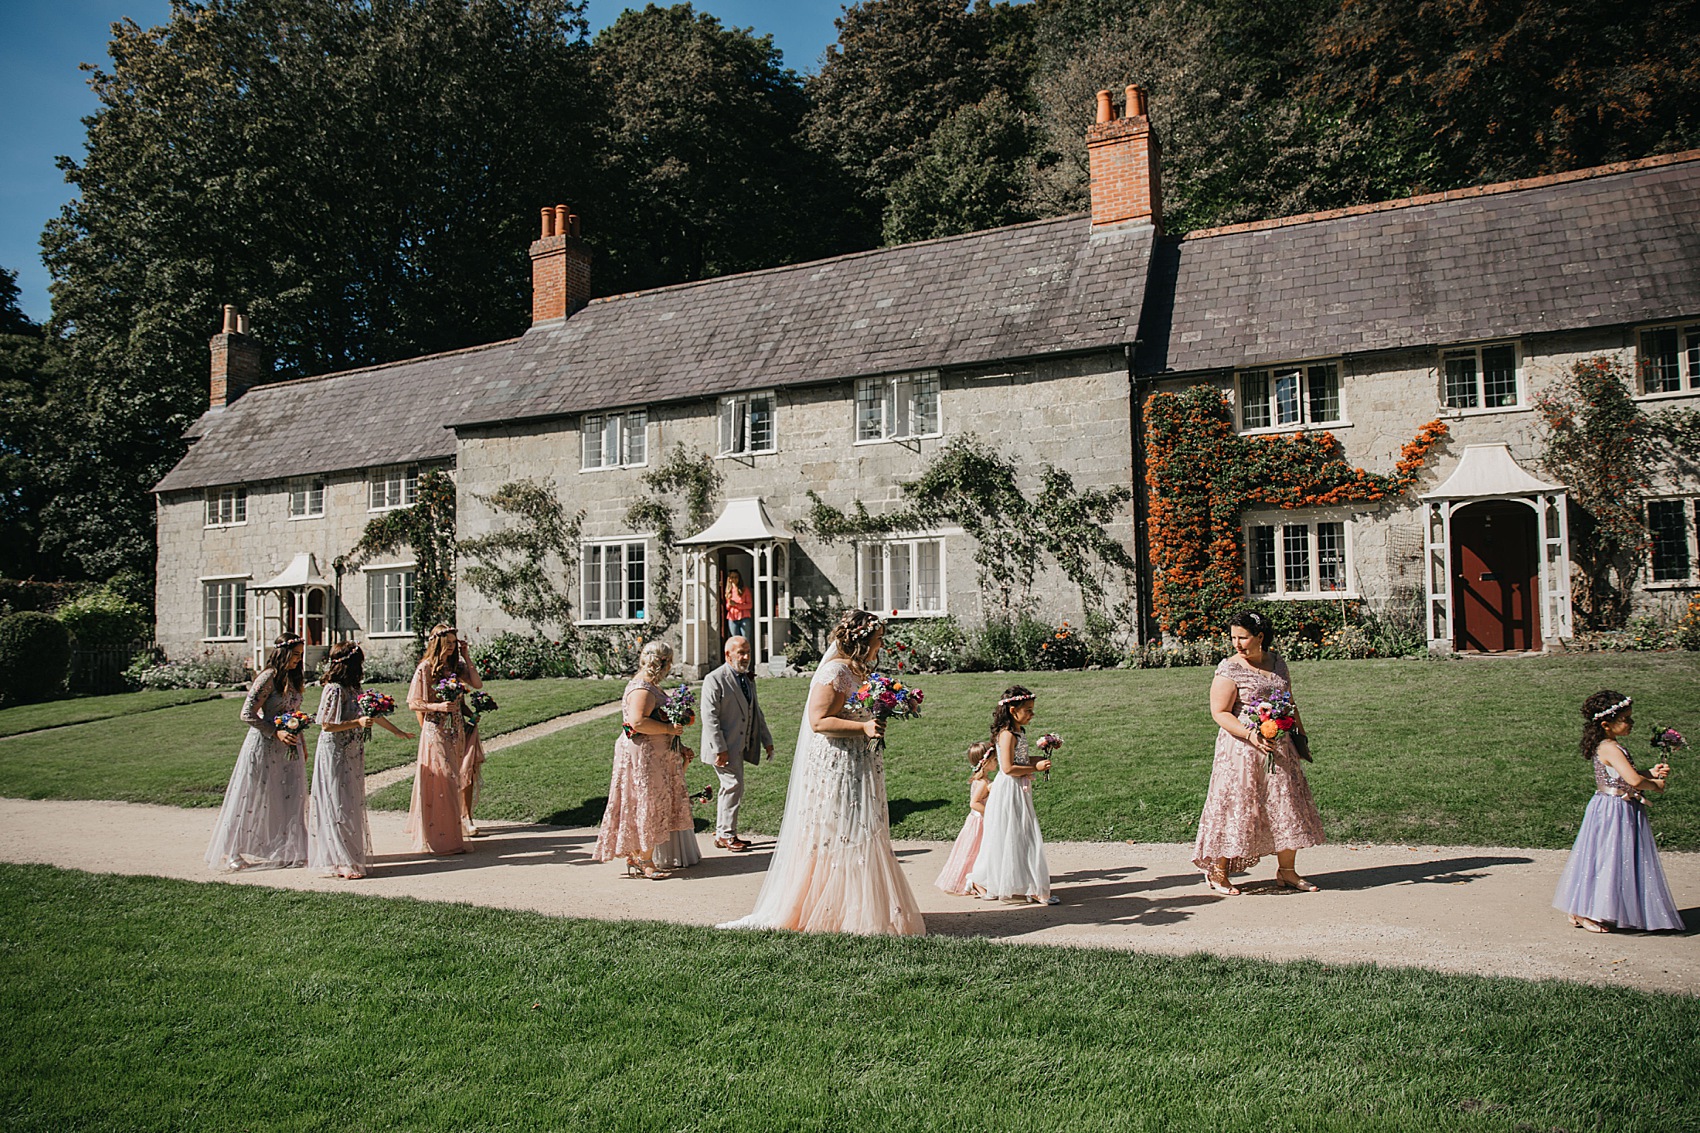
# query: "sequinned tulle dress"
{"points": [[646, 789], [1250, 812], [263, 821], [1613, 873], [337, 835], [1011, 862], [954, 877], [833, 868], [448, 754]]}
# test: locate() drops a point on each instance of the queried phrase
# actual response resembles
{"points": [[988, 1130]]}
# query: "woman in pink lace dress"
{"points": [[646, 792], [448, 759], [1253, 809]]}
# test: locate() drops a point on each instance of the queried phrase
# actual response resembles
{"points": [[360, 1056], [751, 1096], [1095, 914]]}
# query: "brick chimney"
{"points": [[237, 364], [560, 268], [1124, 159]]}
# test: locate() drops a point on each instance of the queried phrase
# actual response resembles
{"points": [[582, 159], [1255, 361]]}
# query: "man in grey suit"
{"points": [[734, 732]]}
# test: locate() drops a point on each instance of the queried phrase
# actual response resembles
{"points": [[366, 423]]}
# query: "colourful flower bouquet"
{"points": [[294, 723], [1050, 743], [371, 702], [886, 698], [451, 689], [1271, 717], [1665, 741], [680, 707], [477, 703]]}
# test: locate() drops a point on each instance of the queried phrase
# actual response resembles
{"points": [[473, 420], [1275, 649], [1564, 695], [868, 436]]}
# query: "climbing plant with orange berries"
{"points": [[1202, 476]]}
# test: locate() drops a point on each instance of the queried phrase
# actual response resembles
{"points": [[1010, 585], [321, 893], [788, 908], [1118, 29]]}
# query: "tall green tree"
{"points": [[32, 368], [973, 174]]}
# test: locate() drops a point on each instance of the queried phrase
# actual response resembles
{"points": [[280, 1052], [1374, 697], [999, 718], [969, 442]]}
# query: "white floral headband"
{"points": [[1009, 700], [444, 632], [1614, 709]]}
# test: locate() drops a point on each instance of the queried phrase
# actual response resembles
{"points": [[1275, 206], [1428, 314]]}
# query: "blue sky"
{"points": [[46, 96]]}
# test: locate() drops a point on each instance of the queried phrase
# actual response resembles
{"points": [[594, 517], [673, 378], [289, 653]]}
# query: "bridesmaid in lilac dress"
{"points": [[263, 821], [646, 791], [1250, 811]]}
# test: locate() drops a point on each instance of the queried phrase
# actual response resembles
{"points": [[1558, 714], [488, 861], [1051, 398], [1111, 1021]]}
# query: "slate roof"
{"points": [[391, 414], [1568, 252], [1047, 287]]}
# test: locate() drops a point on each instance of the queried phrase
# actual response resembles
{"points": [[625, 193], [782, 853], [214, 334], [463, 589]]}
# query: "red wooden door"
{"points": [[1496, 598]]}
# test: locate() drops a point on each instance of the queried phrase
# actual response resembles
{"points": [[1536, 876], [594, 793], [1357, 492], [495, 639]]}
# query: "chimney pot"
{"points": [[1106, 111], [229, 318], [1135, 102], [548, 224], [561, 220]]}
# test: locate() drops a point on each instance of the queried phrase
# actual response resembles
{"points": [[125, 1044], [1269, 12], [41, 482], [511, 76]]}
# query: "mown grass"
{"points": [[148, 1004], [81, 710], [182, 756], [1468, 752]]}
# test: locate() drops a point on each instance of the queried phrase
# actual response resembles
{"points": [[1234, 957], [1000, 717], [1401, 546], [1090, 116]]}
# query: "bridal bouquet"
{"points": [[1050, 743], [478, 702], [371, 702], [1665, 741], [292, 722], [1271, 716], [680, 707], [886, 698]]}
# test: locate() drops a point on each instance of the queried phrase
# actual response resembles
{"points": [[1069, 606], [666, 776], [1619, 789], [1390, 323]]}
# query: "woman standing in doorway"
{"points": [[740, 606]]}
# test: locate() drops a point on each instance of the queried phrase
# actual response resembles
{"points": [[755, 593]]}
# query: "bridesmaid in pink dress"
{"points": [[646, 792], [448, 755], [1250, 811]]}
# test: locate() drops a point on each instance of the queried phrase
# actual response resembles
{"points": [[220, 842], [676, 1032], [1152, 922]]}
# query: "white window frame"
{"points": [[1301, 372], [897, 397], [1310, 521], [629, 425], [593, 563], [1474, 352], [880, 560], [737, 424], [390, 488], [1691, 536], [226, 506], [238, 586], [308, 490], [377, 624], [1687, 358]]}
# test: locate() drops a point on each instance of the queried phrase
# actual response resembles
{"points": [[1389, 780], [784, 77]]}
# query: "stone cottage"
{"points": [[844, 378]]}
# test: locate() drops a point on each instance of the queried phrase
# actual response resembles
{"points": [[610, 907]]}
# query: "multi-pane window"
{"points": [[903, 577], [1669, 524], [227, 506], [1670, 358], [1294, 559], [746, 424], [390, 598], [224, 609], [615, 440], [306, 499], [1290, 396], [889, 409], [613, 582], [393, 488], [1481, 377]]}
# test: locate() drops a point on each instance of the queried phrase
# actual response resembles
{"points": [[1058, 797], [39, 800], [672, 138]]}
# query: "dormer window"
{"points": [[615, 440]]}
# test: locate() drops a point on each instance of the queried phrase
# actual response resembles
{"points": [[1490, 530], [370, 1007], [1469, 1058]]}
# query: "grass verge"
{"points": [[81, 710], [143, 1004]]}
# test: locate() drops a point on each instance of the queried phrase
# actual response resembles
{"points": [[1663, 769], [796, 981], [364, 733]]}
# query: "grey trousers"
{"points": [[731, 795]]}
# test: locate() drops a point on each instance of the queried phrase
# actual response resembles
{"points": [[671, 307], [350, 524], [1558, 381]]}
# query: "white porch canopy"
{"points": [[303, 570], [303, 596], [743, 528], [1490, 472]]}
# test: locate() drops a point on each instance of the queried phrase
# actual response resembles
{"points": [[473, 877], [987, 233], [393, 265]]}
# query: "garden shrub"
{"points": [[609, 652], [103, 617], [151, 669], [35, 657], [519, 657], [1688, 629], [389, 668], [926, 645], [1064, 650]]}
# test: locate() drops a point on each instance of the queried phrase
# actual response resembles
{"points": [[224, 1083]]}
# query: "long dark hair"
{"points": [[1003, 717], [1597, 712], [1256, 623], [345, 666], [292, 677]]}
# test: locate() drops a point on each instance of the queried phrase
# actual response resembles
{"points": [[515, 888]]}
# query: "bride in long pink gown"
{"points": [[833, 867]]}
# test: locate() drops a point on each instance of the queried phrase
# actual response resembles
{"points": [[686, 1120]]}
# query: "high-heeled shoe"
{"points": [[1217, 879], [644, 867], [1290, 879]]}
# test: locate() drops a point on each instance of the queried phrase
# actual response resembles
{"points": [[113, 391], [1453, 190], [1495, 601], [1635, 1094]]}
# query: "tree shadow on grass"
{"points": [[501, 845], [587, 813]]}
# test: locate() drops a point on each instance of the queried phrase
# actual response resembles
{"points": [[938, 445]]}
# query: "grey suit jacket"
{"points": [[729, 722]]}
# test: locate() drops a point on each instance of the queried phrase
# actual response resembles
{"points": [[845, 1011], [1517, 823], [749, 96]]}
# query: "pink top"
{"points": [[738, 603]]}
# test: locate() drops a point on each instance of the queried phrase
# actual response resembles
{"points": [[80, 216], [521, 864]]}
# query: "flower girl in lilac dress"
{"points": [[954, 877], [1613, 878]]}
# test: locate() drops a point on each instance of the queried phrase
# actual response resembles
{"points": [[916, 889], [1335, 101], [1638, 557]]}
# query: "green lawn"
{"points": [[183, 755], [1480, 752], [58, 713], [142, 1004]]}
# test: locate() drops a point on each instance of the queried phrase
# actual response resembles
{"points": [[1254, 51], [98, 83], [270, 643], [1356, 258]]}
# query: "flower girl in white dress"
{"points": [[1011, 863]]}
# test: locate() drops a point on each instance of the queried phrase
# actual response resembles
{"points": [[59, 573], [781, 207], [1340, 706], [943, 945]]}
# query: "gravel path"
{"points": [[1453, 909]]}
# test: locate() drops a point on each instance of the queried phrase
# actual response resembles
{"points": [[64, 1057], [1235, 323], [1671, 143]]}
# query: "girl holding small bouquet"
{"points": [[445, 781], [954, 878], [263, 821], [337, 838], [1011, 863], [1613, 878]]}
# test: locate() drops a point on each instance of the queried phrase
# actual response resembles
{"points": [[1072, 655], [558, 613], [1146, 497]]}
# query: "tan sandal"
{"points": [[1296, 882], [1589, 923], [1217, 879]]}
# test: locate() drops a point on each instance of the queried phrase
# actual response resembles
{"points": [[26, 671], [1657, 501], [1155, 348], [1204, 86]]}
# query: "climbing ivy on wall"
{"points": [[426, 528], [970, 485], [1203, 476], [512, 565], [687, 480]]}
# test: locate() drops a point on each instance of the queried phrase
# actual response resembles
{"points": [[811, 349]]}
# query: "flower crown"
{"points": [[444, 632], [1009, 700], [288, 641], [1613, 710]]}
